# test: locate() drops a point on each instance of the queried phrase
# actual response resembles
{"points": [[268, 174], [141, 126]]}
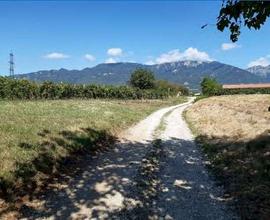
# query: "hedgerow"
{"points": [[244, 91], [210, 87], [24, 89]]}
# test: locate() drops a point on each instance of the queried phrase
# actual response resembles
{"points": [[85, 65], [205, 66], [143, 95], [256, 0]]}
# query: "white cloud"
{"points": [[229, 46], [262, 61], [115, 52], [171, 56], [56, 56], [110, 60], [176, 55], [89, 57]]}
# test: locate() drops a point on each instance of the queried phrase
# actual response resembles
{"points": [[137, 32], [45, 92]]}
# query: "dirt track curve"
{"points": [[156, 171]]}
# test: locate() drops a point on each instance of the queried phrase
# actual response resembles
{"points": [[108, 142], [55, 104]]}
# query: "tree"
{"points": [[142, 79], [210, 86], [237, 13]]}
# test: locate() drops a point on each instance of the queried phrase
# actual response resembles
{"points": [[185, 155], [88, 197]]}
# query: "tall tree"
{"points": [[237, 13], [142, 79]]}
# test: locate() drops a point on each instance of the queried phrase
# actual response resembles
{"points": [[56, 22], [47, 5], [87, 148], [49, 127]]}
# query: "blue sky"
{"points": [[75, 35]]}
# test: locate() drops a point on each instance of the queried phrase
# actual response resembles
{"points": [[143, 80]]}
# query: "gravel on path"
{"points": [[139, 178]]}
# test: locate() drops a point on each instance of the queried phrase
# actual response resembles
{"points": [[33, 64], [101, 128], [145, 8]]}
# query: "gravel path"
{"points": [[190, 192], [138, 179]]}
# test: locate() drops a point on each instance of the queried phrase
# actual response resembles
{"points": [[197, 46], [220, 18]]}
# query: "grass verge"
{"points": [[234, 133]]}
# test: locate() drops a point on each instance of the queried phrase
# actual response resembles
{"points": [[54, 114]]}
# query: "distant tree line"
{"points": [[210, 87], [24, 89], [244, 91]]}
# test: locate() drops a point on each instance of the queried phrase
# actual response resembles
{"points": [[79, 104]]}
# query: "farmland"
{"points": [[35, 136], [234, 133]]}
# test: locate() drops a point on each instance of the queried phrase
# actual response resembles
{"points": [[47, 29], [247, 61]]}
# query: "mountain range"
{"points": [[263, 71], [190, 73]]}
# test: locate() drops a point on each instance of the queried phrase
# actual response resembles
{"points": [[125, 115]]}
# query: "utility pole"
{"points": [[11, 65]]}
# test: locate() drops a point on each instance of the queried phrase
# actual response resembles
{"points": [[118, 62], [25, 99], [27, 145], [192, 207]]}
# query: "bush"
{"points": [[210, 86], [142, 79], [17, 89]]}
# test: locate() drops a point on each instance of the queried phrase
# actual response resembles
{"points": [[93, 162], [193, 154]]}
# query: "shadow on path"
{"points": [[166, 179]]}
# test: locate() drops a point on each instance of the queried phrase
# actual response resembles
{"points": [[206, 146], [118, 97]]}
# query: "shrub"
{"points": [[17, 89], [49, 90]]}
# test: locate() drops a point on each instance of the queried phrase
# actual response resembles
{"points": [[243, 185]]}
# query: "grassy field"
{"points": [[36, 136], [235, 133]]}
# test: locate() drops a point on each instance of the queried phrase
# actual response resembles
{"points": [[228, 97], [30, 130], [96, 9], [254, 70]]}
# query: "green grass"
{"points": [[36, 135], [162, 125]]}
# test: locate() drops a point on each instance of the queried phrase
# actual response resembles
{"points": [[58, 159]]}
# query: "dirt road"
{"points": [[156, 171]]}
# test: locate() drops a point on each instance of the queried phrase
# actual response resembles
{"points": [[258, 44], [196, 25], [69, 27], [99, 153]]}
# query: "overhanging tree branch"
{"points": [[235, 13]]}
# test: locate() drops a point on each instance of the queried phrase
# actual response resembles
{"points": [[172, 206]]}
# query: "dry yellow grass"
{"points": [[241, 117], [234, 132]]}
